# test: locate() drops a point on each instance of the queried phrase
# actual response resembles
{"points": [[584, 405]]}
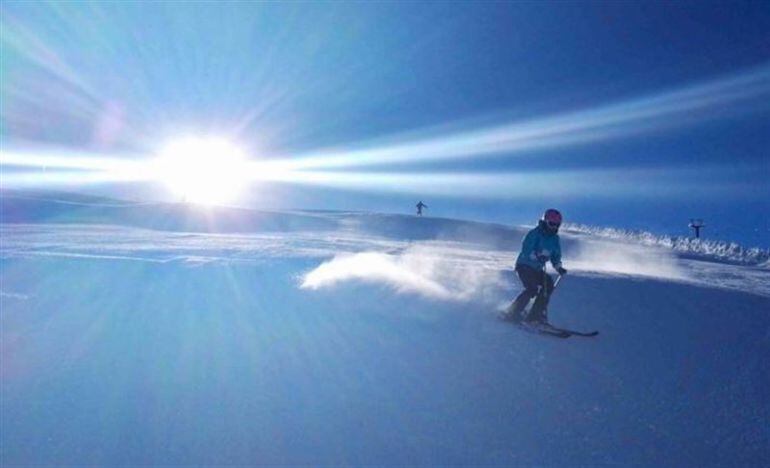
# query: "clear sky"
{"points": [[629, 114]]}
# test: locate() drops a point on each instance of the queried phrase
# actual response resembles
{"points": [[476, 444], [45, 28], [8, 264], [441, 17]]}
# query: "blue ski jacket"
{"points": [[539, 246]]}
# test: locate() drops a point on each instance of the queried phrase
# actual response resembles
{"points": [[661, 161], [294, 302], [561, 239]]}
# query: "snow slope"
{"points": [[164, 334]]}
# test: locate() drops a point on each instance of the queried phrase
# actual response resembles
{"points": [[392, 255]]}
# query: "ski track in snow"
{"points": [[443, 269]]}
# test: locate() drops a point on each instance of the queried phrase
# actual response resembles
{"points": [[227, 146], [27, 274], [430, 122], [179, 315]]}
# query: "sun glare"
{"points": [[202, 170]]}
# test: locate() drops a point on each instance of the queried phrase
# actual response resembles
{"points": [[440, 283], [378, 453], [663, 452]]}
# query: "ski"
{"points": [[546, 329], [578, 333], [562, 332]]}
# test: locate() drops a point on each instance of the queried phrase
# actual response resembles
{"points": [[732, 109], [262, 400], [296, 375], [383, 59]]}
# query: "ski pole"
{"points": [[546, 292], [558, 278]]}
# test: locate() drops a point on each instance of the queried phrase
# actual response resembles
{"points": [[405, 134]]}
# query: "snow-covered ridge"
{"points": [[684, 246]]}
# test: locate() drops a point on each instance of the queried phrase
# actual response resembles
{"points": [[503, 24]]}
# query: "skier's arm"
{"points": [[529, 244]]}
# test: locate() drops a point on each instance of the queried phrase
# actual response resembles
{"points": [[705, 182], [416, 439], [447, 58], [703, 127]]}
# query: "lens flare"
{"points": [[215, 171], [202, 170]]}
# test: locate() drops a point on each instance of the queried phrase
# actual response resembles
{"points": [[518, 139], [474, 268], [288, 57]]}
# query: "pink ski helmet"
{"points": [[552, 218]]}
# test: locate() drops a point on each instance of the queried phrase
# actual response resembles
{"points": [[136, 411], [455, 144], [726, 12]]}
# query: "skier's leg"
{"points": [[522, 300], [540, 306], [528, 278]]}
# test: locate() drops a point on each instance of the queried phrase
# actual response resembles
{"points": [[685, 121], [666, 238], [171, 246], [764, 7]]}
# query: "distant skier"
{"points": [[420, 206], [540, 245]]}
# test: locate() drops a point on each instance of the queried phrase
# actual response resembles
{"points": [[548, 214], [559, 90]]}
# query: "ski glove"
{"points": [[561, 271]]}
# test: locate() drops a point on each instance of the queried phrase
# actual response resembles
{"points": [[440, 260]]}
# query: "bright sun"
{"points": [[202, 170]]}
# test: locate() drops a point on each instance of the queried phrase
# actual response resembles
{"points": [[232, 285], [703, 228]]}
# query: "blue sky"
{"points": [[632, 114]]}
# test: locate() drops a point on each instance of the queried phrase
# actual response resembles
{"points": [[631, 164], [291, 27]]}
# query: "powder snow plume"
{"points": [[432, 271]]}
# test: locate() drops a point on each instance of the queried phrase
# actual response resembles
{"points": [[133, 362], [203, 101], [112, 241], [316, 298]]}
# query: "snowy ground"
{"points": [[153, 334]]}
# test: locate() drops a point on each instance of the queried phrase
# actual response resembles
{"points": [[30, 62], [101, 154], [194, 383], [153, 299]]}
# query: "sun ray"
{"points": [[214, 171], [685, 106]]}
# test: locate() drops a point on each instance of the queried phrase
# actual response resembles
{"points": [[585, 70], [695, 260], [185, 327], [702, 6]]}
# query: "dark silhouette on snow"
{"points": [[540, 245], [420, 205], [697, 224]]}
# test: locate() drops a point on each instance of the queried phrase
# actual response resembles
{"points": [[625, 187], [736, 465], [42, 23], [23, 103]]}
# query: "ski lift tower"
{"points": [[697, 224]]}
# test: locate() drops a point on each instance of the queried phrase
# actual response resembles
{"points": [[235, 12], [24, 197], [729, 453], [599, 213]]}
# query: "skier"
{"points": [[540, 245], [420, 206]]}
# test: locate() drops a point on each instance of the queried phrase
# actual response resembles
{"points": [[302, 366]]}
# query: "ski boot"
{"points": [[536, 319], [510, 315]]}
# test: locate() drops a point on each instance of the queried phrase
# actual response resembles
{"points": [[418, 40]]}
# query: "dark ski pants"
{"points": [[533, 281]]}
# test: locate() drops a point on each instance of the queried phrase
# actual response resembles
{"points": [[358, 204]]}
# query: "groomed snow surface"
{"points": [[166, 334]]}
